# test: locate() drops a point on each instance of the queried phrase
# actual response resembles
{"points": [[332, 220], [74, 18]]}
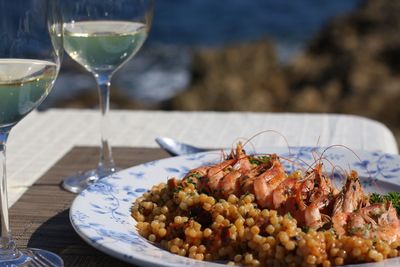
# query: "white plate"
{"points": [[101, 213]]}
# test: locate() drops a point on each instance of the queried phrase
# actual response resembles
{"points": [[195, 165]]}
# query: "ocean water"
{"points": [[162, 68], [203, 23]]}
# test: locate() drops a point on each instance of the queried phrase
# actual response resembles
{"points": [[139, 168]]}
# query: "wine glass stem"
{"points": [[7, 244], [106, 162]]}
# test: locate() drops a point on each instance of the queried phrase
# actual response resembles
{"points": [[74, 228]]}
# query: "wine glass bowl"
{"points": [[102, 35], [30, 56], [24, 83], [90, 43]]}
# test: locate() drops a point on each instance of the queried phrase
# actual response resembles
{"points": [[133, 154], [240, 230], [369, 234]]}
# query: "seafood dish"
{"points": [[247, 210]]}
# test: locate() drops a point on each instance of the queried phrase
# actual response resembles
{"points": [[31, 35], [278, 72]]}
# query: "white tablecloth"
{"points": [[42, 138]]}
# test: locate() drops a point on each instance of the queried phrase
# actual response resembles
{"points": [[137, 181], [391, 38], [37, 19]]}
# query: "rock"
{"points": [[360, 54], [239, 77]]}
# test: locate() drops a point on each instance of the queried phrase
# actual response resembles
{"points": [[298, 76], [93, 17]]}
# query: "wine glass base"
{"points": [[79, 181], [33, 257]]}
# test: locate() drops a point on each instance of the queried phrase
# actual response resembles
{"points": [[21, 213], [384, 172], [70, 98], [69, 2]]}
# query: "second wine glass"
{"points": [[102, 35]]}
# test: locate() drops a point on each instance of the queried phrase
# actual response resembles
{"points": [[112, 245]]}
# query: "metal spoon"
{"points": [[175, 148]]}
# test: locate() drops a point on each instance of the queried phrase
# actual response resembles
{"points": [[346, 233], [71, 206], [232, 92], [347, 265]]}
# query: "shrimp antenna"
{"points": [[334, 167], [318, 140], [268, 131], [296, 163], [349, 149]]}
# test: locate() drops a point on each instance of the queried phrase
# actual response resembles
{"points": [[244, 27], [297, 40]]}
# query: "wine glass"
{"points": [[30, 54], [102, 35]]}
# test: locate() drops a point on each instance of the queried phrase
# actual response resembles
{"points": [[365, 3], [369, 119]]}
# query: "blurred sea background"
{"points": [[181, 27], [259, 55]]}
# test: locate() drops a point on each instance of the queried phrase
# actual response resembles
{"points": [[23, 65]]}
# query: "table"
{"points": [[42, 138], [46, 146], [40, 218]]}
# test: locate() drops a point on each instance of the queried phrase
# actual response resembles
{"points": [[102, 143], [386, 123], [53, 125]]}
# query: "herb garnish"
{"points": [[259, 160], [305, 228]]}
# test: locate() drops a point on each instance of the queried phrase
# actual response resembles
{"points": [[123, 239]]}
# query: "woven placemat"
{"points": [[40, 218]]}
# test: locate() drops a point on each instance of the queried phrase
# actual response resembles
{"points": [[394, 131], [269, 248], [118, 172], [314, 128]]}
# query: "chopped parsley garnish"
{"points": [[204, 191], [259, 160], [195, 175], [177, 189], [354, 230], [305, 228], [376, 198]]}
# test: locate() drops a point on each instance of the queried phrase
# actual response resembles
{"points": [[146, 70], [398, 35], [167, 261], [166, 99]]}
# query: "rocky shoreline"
{"points": [[351, 66]]}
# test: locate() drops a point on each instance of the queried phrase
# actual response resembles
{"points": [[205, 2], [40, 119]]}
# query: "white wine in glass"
{"points": [[24, 83], [30, 56], [102, 35], [103, 45]]}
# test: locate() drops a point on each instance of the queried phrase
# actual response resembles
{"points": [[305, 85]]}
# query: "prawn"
{"points": [[266, 182], [283, 192], [217, 172], [352, 197], [389, 224], [229, 184], [374, 221], [313, 216], [309, 199], [242, 160]]}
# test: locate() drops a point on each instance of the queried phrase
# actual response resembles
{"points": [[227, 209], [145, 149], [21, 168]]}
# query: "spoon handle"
{"points": [[175, 148]]}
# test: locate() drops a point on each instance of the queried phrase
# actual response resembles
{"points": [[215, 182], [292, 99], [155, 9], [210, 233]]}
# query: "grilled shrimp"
{"points": [[241, 168], [310, 200], [374, 221], [314, 186], [222, 177], [284, 199], [197, 177], [283, 192], [242, 160], [354, 215], [306, 200], [313, 216], [229, 184], [241, 172], [266, 182], [322, 185], [247, 180], [383, 219], [216, 172], [352, 197], [320, 199], [389, 224], [339, 221]]}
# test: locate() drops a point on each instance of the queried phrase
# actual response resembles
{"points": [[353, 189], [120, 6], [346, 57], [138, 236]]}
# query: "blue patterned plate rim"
{"points": [[101, 213]]}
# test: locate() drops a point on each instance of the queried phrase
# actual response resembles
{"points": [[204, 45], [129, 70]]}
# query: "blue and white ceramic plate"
{"points": [[101, 213]]}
